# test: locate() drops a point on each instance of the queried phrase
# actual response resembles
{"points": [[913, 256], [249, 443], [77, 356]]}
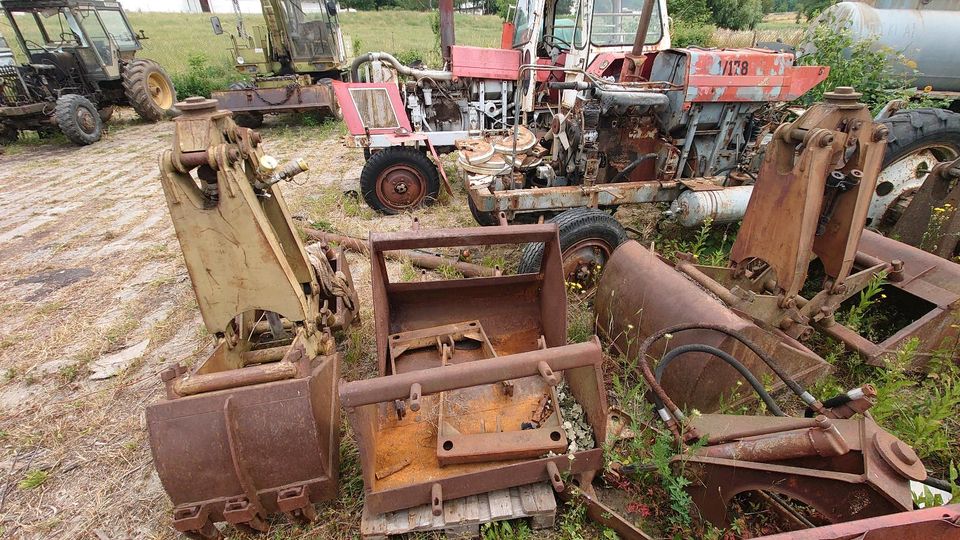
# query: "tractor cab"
{"points": [[299, 36], [61, 34], [580, 35]]}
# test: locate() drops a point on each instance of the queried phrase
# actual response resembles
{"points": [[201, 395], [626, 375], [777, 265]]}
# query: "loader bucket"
{"points": [[476, 379], [640, 294]]}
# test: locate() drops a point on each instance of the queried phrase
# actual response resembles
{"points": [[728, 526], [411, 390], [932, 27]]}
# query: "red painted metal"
{"points": [[604, 64], [370, 97], [506, 35], [485, 63], [941, 522], [747, 75]]}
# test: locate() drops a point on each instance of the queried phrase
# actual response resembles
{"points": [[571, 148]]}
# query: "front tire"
{"points": [[78, 119], [918, 140], [398, 179], [149, 89], [587, 239]]}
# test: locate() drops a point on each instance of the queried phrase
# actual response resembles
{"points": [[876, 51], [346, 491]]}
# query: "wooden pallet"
{"points": [[462, 518]]}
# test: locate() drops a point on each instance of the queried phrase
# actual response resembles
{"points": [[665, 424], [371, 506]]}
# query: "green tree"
{"points": [[736, 14], [689, 11], [811, 8]]}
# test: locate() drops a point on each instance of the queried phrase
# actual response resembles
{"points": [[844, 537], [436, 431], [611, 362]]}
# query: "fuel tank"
{"points": [[923, 31]]}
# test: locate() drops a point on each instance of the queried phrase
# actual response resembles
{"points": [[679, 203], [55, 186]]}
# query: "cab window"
{"points": [[615, 23], [523, 22], [97, 33], [118, 29], [48, 28]]}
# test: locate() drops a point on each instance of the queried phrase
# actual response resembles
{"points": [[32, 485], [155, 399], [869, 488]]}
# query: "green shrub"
{"points": [[853, 63], [685, 34], [201, 79]]}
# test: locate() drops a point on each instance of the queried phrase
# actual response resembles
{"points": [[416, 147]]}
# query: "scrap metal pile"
{"points": [[477, 387]]}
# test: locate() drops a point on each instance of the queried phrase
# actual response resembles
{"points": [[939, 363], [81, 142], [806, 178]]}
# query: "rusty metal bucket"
{"points": [[240, 454], [639, 294], [473, 373]]}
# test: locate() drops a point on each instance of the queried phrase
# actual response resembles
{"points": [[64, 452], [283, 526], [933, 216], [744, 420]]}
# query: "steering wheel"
{"points": [[554, 41], [70, 37], [44, 47]]}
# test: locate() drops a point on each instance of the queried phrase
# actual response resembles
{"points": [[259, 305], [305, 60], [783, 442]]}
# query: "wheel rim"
{"points": [[86, 121], [583, 262], [401, 186], [160, 91], [902, 177]]}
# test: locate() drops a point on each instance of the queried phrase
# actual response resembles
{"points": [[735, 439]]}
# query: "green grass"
{"points": [[174, 37]]}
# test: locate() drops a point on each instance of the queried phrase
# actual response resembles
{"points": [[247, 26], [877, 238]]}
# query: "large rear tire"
{"points": [[919, 139], [149, 89], [78, 119], [398, 179], [587, 239], [8, 134]]}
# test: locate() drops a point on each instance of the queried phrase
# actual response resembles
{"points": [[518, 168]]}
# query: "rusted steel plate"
{"points": [[940, 522], [639, 294], [384, 439], [294, 98]]}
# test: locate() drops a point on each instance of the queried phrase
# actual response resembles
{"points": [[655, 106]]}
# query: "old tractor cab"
{"points": [[80, 58], [291, 61]]}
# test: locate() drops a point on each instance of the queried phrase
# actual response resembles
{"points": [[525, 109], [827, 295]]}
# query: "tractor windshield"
{"points": [[118, 29], [310, 28], [47, 29], [615, 23]]}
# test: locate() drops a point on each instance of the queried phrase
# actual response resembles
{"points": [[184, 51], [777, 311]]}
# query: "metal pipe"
{"points": [[402, 69], [447, 34], [420, 259], [824, 440], [709, 284], [233, 378], [452, 377], [795, 423], [642, 26]]}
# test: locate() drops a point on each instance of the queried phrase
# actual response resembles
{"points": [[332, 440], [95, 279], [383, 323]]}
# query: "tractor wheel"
{"points": [[78, 119], [8, 134], [397, 179], [148, 89], [251, 120], [587, 239], [919, 139]]}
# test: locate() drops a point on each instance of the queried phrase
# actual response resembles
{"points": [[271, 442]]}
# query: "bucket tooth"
{"points": [[295, 503]]}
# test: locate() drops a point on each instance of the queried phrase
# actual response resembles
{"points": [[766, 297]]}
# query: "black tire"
{"points": [[396, 168], [8, 134], [487, 219], [148, 89], [78, 119], [576, 226], [916, 130], [248, 119]]}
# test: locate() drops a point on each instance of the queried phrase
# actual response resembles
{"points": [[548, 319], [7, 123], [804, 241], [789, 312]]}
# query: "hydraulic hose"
{"points": [[804, 396], [402, 69], [675, 353]]}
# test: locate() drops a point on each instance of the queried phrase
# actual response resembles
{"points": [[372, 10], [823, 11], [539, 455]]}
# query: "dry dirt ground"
{"points": [[91, 268]]}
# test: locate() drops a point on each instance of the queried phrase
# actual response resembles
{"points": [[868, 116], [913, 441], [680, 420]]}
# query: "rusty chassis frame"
{"points": [[533, 200], [494, 342]]}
